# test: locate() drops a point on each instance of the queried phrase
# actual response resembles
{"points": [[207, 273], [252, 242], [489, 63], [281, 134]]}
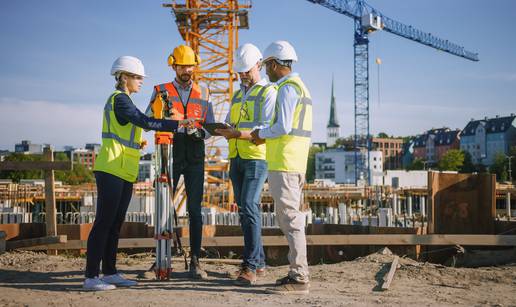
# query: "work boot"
{"points": [[196, 272], [260, 272], [246, 278], [234, 274], [288, 285]]}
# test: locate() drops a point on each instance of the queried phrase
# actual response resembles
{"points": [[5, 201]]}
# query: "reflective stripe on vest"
{"points": [[119, 154], [289, 152], [304, 102], [242, 122], [110, 135], [196, 106]]}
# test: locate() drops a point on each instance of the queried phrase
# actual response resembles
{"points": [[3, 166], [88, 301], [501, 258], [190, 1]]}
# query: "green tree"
{"points": [[16, 176], [453, 160], [416, 165], [383, 135], [310, 169], [468, 166], [500, 167], [78, 175]]}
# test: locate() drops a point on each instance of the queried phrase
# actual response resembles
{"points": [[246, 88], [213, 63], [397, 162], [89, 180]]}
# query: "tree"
{"points": [[416, 165], [16, 176], [78, 175], [453, 160], [468, 166], [383, 135], [310, 169], [500, 167]]}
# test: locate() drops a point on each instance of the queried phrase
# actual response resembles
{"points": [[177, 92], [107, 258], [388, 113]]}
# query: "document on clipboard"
{"points": [[212, 126]]}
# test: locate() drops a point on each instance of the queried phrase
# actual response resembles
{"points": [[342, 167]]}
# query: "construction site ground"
{"points": [[35, 279]]}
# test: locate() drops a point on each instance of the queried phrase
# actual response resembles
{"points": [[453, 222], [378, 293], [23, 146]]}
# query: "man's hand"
{"points": [[256, 140], [175, 115], [229, 133], [188, 123]]}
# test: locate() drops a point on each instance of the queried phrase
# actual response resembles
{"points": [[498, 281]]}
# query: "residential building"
{"points": [[27, 147], [84, 157], [484, 139], [434, 143], [500, 136], [339, 165], [93, 147], [392, 150], [146, 171]]}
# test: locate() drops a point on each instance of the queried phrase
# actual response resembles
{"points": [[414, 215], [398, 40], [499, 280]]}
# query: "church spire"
{"points": [[333, 122]]}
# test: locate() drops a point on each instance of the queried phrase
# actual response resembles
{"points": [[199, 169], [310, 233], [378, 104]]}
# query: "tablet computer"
{"points": [[211, 127]]}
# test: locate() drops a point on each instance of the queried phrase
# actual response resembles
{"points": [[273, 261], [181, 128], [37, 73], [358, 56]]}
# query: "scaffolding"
{"points": [[211, 27]]}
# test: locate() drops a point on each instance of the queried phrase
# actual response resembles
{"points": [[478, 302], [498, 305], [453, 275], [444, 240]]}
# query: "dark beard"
{"points": [[185, 78]]}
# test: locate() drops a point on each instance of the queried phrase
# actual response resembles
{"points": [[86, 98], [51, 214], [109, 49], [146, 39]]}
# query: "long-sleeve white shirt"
{"points": [[287, 99]]}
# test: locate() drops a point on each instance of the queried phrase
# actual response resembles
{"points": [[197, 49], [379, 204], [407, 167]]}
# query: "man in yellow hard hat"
{"points": [[189, 100]]}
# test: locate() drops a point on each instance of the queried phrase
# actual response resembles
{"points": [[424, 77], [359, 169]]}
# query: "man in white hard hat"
{"points": [[251, 108], [288, 141]]}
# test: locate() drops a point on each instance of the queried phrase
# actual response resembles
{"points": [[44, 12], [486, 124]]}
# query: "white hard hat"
{"points": [[128, 64], [246, 56], [280, 50]]}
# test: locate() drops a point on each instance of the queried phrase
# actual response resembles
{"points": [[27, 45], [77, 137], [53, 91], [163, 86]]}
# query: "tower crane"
{"points": [[367, 19]]}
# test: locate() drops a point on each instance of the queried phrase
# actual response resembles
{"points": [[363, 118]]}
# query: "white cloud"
{"points": [[50, 122]]}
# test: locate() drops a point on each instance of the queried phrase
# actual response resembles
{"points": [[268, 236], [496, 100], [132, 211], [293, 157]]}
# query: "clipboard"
{"points": [[212, 126]]}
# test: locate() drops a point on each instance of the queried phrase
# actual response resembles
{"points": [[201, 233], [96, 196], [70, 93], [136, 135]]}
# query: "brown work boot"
{"points": [[288, 285], [196, 272], [246, 278], [234, 274], [261, 272]]}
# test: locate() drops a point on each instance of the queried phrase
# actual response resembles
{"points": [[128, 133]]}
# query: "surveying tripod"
{"points": [[165, 215]]}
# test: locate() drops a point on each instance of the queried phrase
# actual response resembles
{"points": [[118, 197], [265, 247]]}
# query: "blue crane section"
{"points": [[366, 20]]}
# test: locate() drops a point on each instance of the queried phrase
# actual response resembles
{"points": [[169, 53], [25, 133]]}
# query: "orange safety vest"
{"points": [[196, 106]]}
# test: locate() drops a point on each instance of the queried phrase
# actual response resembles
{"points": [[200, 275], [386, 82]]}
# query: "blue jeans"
{"points": [[248, 177]]}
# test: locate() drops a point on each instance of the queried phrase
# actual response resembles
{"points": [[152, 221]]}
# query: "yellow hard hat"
{"points": [[183, 55]]}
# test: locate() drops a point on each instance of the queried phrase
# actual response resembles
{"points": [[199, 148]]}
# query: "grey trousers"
{"points": [[286, 189]]}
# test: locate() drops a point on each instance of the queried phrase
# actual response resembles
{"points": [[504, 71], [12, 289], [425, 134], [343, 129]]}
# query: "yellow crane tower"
{"points": [[211, 27]]}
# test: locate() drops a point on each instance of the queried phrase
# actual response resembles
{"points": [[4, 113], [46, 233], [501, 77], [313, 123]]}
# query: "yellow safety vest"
{"points": [[245, 116], [289, 153], [120, 151]]}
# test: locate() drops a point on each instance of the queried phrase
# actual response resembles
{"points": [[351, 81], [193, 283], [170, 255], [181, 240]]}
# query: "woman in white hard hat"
{"points": [[116, 168]]}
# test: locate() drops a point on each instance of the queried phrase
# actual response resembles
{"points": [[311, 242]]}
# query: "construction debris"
{"points": [[388, 278]]}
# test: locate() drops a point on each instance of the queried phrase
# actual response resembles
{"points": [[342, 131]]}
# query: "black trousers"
{"points": [[114, 195], [194, 186]]}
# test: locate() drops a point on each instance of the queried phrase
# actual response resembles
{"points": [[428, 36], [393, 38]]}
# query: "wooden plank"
{"points": [[35, 165], [320, 240], [388, 278], [32, 243], [461, 203]]}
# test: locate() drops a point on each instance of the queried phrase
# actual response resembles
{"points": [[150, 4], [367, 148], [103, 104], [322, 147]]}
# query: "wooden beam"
{"points": [[388, 278], [35, 165], [318, 240], [35, 242], [50, 199]]}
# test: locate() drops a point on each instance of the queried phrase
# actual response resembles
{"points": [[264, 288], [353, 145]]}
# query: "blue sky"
{"points": [[55, 58]]}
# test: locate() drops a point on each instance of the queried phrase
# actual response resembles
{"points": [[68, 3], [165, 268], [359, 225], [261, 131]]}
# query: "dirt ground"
{"points": [[35, 279]]}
